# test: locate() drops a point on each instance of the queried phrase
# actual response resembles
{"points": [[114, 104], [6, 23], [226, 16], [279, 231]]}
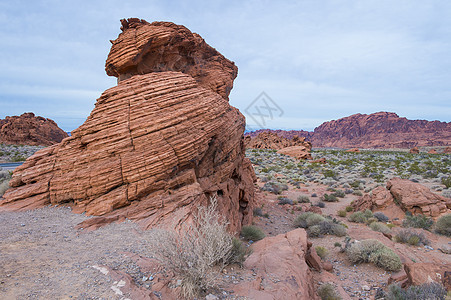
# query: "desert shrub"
{"points": [[314, 231], [284, 200], [418, 221], [329, 227], [317, 225], [349, 208], [274, 187], [321, 204], [330, 198], [357, 193], [339, 194], [446, 181], [3, 187], [192, 253], [443, 225], [321, 251], [341, 213], [391, 225], [329, 173], [381, 217], [239, 252], [360, 216], [314, 219], [380, 227], [252, 232], [374, 252], [257, 212], [408, 236], [301, 220], [337, 244], [303, 199], [327, 291], [314, 195], [371, 220], [430, 291]]}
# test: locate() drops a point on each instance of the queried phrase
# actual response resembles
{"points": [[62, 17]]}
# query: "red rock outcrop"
{"points": [[27, 129], [270, 140], [298, 152], [402, 195], [381, 130], [281, 270], [145, 47], [447, 150], [414, 150], [377, 130], [353, 150], [432, 151], [155, 146]]}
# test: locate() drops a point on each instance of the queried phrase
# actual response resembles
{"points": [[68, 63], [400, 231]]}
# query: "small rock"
{"points": [[366, 288], [211, 297]]}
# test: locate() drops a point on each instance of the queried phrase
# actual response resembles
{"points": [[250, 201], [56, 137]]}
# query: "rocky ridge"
{"points": [[27, 129], [377, 130], [156, 144]]}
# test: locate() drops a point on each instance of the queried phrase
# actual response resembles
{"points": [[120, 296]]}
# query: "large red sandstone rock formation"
{"points": [[410, 197], [155, 145], [284, 258], [377, 130], [27, 129]]}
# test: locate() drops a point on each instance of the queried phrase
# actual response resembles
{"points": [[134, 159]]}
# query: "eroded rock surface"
{"points": [[298, 152], [155, 145], [27, 129], [281, 270], [402, 195]]}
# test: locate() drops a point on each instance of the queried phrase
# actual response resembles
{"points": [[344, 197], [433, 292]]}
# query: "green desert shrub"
{"points": [[257, 212], [430, 291], [303, 199], [446, 181], [349, 208], [360, 216], [374, 252], [339, 194], [417, 221], [411, 237], [357, 193], [318, 225], [285, 200], [380, 227], [331, 228], [252, 232], [330, 198], [321, 251], [341, 213], [443, 225], [327, 291], [239, 252], [3, 187]]}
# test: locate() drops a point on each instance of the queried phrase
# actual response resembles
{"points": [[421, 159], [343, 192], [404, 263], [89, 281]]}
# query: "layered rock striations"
{"points": [[27, 129], [155, 146]]}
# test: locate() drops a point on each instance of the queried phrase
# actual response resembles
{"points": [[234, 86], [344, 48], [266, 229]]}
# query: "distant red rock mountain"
{"points": [[377, 130], [27, 129]]}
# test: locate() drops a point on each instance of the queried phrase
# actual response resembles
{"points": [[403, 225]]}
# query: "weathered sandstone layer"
{"points": [[27, 129], [156, 145]]}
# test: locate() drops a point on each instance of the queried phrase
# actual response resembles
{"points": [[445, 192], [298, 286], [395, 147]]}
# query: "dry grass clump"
{"points": [[360, 216], [430, 291], [374, 252], [417, 221], [318, 225], [191, 254], [327, 291], [252, 232], [321, 251], [5, 176]]}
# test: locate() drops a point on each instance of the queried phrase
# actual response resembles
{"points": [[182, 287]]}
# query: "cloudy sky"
{"points": [[316, 60]]}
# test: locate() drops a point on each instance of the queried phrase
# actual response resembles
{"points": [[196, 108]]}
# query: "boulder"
{"points": [[155, 146], [432, 151], [298, 152], [414, 150], [402, 195], [417, 198], [420, 273], [27, 129], [281, 270]]}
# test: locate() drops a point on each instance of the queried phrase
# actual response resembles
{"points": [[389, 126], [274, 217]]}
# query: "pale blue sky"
{"points": [[318, 60]]}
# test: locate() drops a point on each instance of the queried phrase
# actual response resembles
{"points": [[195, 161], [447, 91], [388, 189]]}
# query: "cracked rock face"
{"points": [[155, 147]]}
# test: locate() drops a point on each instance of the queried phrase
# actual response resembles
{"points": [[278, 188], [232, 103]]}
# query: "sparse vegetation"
{"points": [[418, 221], [443, 225], [360, 216], [341, 213], [303, 199], [374, 252], [192, 253], [327, 291], [321, 251], [318, 225], [380, 227], [5, 177], [411, 237], [252, 232], [381, 217], [330, 198], [430, 291], [446, 181]]}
